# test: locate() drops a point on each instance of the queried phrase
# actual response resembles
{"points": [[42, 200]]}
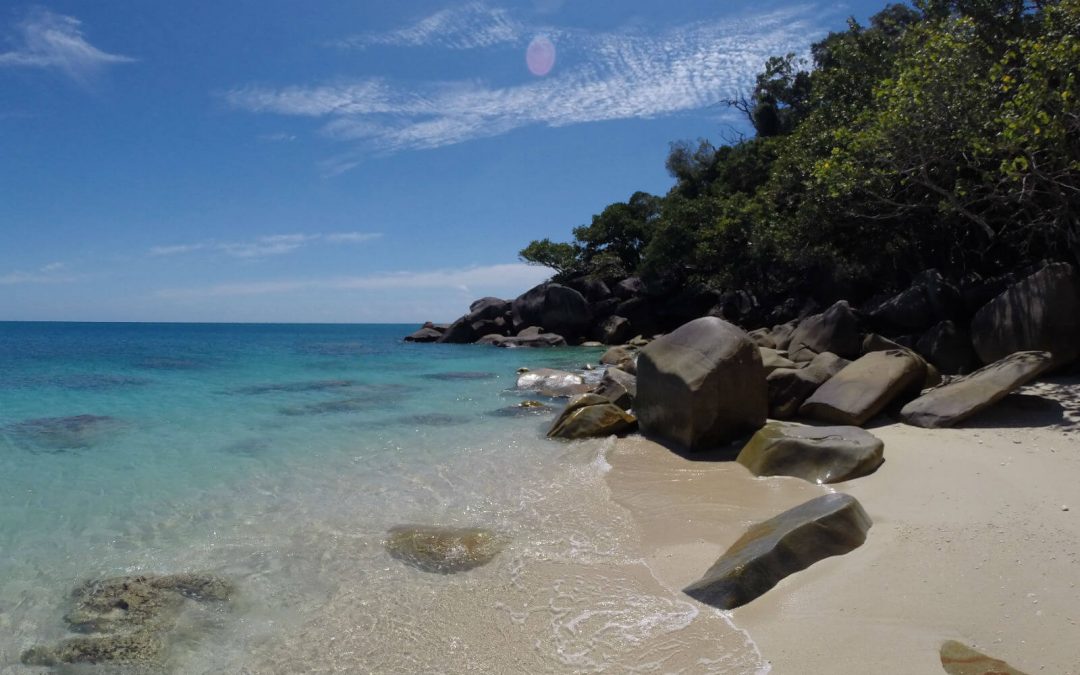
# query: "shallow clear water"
{"points": [[278, 456]]}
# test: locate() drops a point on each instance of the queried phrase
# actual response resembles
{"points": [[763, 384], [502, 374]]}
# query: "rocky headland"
{"points": [[701, 375]]}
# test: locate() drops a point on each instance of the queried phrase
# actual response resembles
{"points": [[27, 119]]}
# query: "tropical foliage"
{"points": [[944, 134]]}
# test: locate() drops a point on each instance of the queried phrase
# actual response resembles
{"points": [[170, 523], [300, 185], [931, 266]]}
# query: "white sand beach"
{"points": [[976, 538]]}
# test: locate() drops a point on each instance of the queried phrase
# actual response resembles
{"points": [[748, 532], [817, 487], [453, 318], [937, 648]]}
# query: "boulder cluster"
{"points": [[584, 310], [931, 356]]}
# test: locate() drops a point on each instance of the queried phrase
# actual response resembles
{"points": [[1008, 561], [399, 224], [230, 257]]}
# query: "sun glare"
{"points": [[540, 56]]}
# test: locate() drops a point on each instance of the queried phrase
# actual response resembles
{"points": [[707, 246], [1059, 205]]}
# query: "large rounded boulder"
{"points": [[558, 309], [702, 385], [1040, 313]]}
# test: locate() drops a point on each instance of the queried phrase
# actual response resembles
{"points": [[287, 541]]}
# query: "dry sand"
{"points": [[976, 538]]}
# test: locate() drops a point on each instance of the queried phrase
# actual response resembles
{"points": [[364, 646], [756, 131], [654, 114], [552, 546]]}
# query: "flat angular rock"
{"points": [[773, 359], [949, 348], [617, 355], [428, 333], [816, 454], [539, 340], [958, 400], [1040, 313], [701, 385], [590, 416], [619, 387], [863, 389], [835, 330], [792, 541], [443, 550], [616, 330], [958, 659], [790, 387]]}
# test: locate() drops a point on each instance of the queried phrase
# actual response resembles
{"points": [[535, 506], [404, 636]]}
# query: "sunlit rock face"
{"points": [[792, 541], [443, 550], [815, 454], [589, 416], [702, 385], [866, 387], [960, 399]]}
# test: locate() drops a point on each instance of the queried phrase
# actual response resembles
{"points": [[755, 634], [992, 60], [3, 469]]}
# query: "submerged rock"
{"points": [[461, 375], [959, 659], [863, 389], [963, 397], [589, 416], [817, 454], [63, 433], [130, 616], [109, 605], [295, 387], [702, 385], [525, 409], [142, 648], [792, 541], [443, 550]]}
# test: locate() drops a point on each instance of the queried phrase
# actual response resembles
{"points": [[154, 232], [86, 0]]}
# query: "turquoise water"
{"points": [[278, 456]]}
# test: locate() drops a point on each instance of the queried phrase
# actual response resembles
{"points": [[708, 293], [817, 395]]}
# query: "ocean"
{"points": [[277, 457]]}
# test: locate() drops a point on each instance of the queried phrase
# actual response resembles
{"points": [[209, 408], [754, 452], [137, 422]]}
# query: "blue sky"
{"points": [[342, 161]]}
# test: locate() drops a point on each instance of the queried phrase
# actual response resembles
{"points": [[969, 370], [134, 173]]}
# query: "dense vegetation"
{"points": [[944, 134]]}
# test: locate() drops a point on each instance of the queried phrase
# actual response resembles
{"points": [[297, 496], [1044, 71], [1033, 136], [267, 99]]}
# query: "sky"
{"points": [[344, 160]]}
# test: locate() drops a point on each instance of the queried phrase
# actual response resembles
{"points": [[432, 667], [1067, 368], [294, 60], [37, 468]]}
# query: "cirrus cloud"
{"points": [[48, 40], [610, 76]]}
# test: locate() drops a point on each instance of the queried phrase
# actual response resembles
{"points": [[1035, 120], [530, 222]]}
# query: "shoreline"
{"points": [[974, 539]]}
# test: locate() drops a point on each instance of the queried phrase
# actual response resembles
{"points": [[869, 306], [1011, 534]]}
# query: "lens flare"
{"points": [[540, 56]]}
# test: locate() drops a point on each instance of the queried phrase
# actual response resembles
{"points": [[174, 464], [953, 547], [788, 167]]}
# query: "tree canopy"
{"points": [[944, 134]]}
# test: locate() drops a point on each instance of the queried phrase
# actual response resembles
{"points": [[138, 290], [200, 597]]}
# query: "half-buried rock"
{"points": [[863, 389], [701, 385], [958, 659], [589, 416], [817, 454], [792, 541], [443, 550], [953, 403]]}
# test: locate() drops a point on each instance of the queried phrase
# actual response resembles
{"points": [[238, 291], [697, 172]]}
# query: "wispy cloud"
{"points": [[514, 275], [53, 273], [48, 40], [470, 26], [613, 76], [261, 247]]}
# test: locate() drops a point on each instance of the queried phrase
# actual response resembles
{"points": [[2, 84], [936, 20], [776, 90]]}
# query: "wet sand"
{"points": [[976, 538]]}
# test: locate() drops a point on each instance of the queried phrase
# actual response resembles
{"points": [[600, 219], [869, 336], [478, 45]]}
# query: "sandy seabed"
{"points": [[976, 538]]}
